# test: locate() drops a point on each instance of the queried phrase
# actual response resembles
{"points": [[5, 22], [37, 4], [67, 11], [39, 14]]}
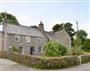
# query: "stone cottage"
{"points": [[30, 40]]}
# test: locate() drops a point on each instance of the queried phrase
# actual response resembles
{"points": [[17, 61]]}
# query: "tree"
{"points": [[77, 42], [10, 18], [52, 48], [86, 45], [57, 27], [68, 28], [82, 35]]}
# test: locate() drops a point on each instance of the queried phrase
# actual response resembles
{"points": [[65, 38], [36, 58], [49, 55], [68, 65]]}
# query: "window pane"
{"points": [[17, 38], [27, 39], [39, 49]]}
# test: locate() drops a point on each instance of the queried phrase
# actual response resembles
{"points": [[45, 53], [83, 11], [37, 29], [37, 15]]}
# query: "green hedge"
{"points": [[45, 63]]}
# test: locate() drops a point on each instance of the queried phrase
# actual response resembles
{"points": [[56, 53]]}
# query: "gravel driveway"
{"points": [[8, 65]]}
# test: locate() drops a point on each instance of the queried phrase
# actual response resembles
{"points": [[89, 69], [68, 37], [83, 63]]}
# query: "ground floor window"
{"points": [[20, 49], [39, 49]]}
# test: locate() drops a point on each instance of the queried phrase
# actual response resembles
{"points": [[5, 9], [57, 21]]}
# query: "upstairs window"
{"points": [[38, 40], [17, 38], [28, 39]]}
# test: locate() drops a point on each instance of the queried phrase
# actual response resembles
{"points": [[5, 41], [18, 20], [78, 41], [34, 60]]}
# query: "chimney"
{"points": [[41, 26]]}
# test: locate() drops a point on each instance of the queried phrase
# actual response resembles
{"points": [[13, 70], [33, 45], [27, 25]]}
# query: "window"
{"points": [[17, 38], [27, 39], [20, 49], [38, 40], [39, 49]]}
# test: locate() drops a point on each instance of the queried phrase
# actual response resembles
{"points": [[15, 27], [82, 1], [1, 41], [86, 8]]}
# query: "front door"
{"points": [[31, 50]]}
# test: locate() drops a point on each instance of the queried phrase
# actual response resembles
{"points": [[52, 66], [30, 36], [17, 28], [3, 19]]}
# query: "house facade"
{"points": [[30, 40]]}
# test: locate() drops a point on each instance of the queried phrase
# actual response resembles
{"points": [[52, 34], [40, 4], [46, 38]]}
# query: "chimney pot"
{"points": [[41, 26]]}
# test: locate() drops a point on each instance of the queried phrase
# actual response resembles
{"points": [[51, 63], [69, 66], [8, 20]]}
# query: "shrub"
{"points": [[52, 48], [86, 45], [76, 51], [77, 42], [14, 49]]}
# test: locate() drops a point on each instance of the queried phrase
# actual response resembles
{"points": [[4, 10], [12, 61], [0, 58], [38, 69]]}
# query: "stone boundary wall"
{"points": [[3, 54], [49, 63], [85, 58]]}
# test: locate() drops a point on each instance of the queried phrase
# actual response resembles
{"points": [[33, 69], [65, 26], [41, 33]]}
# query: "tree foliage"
{"points": [[76, 51], [67, 27], [82, 35], [77, 42], [10, 18], [57, 27], [52, 48], [86, 45]]}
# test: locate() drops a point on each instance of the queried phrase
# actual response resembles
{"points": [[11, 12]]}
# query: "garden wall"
{"points": [[45, 63], [85, 58], [2, 54]]}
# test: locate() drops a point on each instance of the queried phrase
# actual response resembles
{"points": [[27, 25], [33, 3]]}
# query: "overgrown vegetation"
{"points": [[14, 49], [76, 51], [67, 27], [52, 48], [86, 46]]}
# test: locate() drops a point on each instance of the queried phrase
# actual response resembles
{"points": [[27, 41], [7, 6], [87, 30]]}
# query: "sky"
{"points": [[50, 12]]}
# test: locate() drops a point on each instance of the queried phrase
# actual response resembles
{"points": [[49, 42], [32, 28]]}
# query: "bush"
{"points": [[86, 46], [14, 49], [77, 42], [52, 48], [76, 51]]}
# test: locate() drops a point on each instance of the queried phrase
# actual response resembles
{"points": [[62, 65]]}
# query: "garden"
{"points": [[55, 56]]}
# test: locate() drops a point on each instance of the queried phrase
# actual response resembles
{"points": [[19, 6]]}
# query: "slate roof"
{"points": [[24, 30], [50, 35], [33, 31]]}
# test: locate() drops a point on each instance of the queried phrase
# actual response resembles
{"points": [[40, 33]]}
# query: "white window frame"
{"points": [[18, 38], [28, 39]]}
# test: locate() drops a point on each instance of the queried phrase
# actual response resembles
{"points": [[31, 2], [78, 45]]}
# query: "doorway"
{"points": [[31, 50]]}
